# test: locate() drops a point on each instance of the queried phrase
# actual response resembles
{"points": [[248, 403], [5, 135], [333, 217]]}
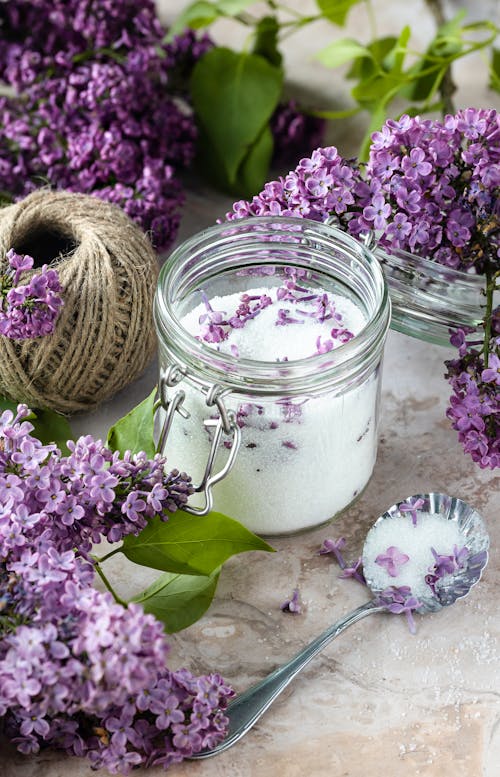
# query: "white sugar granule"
{"points": [[431, 531]]}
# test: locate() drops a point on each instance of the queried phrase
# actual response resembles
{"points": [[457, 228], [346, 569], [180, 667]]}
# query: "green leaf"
{"points": [[234, 95], [52, 427], [179, 600], [495, 70], [342, 51], [134, 432], [445, 47], [49, 426], [336, 11], [198, 14], [202, 13], [377, 118], [7, 404], [378, 88], [190, 544], [232, 7], [266, 40], [253, 170], [394, 59], [377, 50]]}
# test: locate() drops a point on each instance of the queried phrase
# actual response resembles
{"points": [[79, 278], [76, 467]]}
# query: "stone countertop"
{"points": [[378, 701]]}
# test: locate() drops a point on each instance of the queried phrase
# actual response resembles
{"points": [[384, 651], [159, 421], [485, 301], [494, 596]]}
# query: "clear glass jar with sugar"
{"points": [[271, 334]]}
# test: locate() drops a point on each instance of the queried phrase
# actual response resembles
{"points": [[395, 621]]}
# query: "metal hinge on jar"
{"points": [[224, 425]]}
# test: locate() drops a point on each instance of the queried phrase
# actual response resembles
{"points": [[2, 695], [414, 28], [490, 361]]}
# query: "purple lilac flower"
{"points": [[31, 309], [412, 506], [392, 560], [355, 571], [335, 547], [78, 671], [446, 565], [400, 600], [293, 604]]}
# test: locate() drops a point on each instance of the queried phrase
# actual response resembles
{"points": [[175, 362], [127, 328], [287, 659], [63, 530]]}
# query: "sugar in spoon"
{"points": [[249, 706]]}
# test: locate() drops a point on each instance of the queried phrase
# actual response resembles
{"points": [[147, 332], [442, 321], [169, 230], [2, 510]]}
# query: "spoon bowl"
{"points": [[246, 709], [475, 537]]}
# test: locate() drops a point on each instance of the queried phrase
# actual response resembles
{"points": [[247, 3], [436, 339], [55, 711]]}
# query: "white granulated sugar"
{"points": [[430, 531], [301, 461], [261, 339]]}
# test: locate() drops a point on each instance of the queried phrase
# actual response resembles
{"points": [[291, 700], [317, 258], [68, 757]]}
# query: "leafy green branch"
{"points": [[235, 94]]}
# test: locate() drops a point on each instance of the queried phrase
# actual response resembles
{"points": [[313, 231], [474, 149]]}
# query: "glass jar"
{"points": [[280, 446], [428, 298]]}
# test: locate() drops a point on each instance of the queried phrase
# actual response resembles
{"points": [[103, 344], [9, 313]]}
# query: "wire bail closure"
{"points": [[224, 424]]}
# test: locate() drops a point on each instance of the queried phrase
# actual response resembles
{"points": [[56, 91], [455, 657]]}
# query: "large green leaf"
{"points": [[179, 600], [336, 11], [190, 544], [49, 426], [134, 432], [234, 95]]}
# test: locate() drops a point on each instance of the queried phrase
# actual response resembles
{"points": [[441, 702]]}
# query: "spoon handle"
{"points": [[247, 708]]}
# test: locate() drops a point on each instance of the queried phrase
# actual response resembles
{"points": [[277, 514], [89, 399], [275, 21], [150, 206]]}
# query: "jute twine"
{"points": [[104, 336]]}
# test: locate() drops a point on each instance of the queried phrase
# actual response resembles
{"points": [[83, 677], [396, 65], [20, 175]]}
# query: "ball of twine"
{"points": [[104, 336]]}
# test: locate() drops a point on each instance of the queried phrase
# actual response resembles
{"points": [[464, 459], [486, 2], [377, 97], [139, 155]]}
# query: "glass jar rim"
{"points": [[431, 268], [295, 376]]}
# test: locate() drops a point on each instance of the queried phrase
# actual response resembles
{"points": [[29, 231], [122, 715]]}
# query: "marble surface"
{"points": [[378, 701]]}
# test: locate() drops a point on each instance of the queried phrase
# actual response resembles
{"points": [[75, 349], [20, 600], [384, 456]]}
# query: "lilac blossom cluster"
{"points": [[431, 188], [434, 187], [99, 105], [321, 185], [28, 310], [474, 408], [78, 671]]}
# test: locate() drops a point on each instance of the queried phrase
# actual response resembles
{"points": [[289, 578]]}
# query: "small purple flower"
{"points": [[392, 560], [492, 373], [378, 212], [412, 506], [415, 165], [400, 601], [355, 571], [292, 605], [334, 547]]}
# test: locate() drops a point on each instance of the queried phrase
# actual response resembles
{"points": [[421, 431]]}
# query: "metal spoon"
{"points": [[248, 707]]}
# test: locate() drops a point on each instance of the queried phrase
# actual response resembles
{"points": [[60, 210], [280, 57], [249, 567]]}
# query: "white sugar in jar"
{"points": [[271, 333]]}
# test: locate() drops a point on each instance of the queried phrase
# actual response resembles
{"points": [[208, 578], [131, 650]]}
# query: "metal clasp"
{"points": [[225, 424]]}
